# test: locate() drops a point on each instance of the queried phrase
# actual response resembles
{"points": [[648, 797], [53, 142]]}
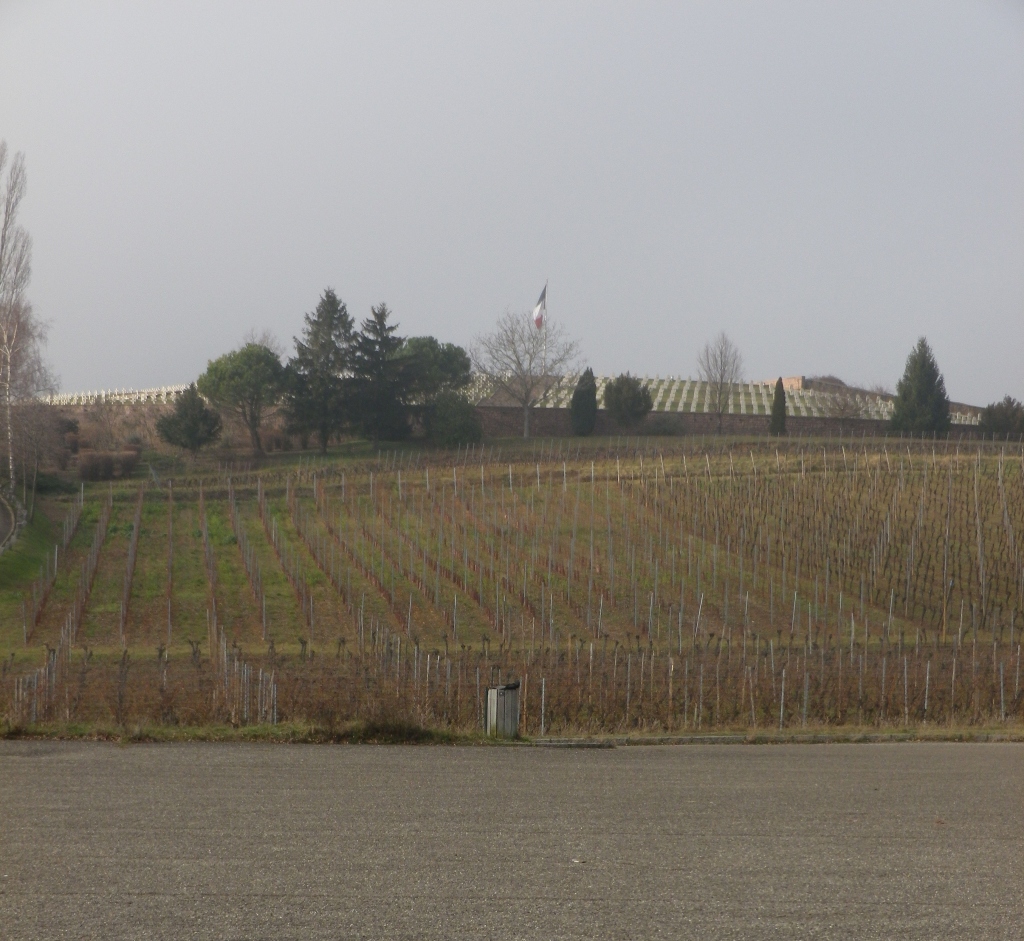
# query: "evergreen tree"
{"points": [[452, 420], [777, 425], [440, 368], [246, 381], [922, 406], [192, 425], [315, 385], [583, 412], [383, 381], [1002, 419], [628, 400]]}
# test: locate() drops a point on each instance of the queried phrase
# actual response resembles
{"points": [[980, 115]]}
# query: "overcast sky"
{"points": [[824, 181]]}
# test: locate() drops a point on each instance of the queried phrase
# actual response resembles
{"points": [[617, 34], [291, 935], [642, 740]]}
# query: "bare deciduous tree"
{"points": [[844, 406], [22, 373], [38, 441], [720, 365], [524, 363]]}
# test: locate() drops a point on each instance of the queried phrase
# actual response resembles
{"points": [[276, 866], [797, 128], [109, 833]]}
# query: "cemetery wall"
{"points": [[507, 422]]}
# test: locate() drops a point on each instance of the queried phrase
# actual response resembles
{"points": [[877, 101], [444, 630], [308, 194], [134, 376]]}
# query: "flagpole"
{"points": [[545, 325], [540, 318]]}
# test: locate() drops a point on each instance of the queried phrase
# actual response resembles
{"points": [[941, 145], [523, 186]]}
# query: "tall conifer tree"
{"points": [[922, 406], [777, 425], [384, 380], [315, 380], [583, 411]]}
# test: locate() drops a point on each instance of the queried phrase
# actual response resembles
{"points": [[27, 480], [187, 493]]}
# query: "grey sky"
{"points": [[824, 181]]}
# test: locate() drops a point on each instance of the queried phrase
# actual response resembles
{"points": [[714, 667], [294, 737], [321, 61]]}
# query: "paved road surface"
{"points": [[231, 841]]}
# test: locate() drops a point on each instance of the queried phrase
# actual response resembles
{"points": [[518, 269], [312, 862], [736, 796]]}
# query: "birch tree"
{"points": [[22, 373]]}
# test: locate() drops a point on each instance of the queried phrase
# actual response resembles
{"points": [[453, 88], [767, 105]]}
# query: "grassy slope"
{"points": [[21, 564]]}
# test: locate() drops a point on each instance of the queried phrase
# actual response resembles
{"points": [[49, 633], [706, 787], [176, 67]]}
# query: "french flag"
{"points": [[541, 309]]}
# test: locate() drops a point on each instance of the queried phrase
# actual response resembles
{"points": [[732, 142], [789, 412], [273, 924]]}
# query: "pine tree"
{"points": [[383, 380], [777, 425], [583, 411], [192, 425], [315, 383], [922, 406]]}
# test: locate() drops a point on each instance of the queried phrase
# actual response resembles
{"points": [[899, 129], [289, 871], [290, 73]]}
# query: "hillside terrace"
{"points": [[670, 394]]}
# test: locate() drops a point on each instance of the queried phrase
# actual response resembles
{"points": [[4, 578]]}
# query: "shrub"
{"points": [[192, 425], [68, 429], [279, 441], [628, 400], [661, 425], [106, 465], [55, 484], [95, 465], [125, 463], [453, 420], [583, 412]]}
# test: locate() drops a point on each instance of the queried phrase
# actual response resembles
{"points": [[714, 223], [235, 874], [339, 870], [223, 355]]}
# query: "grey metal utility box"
{"points": [[502, 713]]}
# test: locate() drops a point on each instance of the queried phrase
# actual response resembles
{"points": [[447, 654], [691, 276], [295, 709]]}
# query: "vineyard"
{"points": [[642, 585]]}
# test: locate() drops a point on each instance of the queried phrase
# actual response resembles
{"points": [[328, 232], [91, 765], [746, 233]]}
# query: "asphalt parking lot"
{"points": [[263, 841]]}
